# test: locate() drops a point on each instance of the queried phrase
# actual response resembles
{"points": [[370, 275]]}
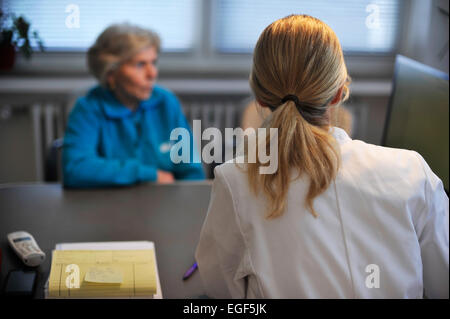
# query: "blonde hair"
{"points": [[300, 57], [116, 44]]}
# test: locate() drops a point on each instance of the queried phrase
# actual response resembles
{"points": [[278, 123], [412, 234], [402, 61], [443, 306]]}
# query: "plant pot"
{"points": [[7, 57]]}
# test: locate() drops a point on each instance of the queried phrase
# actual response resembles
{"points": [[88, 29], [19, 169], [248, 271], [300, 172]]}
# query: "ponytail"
{"points": [[298, 71], [308, 148]]}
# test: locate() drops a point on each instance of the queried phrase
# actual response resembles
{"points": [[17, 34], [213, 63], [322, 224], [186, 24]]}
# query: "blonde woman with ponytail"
{"points": [[339, 218]]}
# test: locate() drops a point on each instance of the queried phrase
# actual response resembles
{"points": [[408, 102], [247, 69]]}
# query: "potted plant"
{"points": [[15, 35]]}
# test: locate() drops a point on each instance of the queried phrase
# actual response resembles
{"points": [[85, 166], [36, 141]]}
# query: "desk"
{"points": [[169, 215]]}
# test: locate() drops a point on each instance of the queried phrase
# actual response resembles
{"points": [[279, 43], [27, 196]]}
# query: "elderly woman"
{"points": [[119, 133]]}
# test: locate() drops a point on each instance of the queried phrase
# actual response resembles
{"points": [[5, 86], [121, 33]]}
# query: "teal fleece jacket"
{"points": [[107, 144]]}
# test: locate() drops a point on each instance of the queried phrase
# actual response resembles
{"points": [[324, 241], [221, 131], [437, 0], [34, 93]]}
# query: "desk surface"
{"points": [[169, 215]]}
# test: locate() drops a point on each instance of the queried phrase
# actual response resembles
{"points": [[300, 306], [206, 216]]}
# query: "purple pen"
{"points": [[190, 271]]}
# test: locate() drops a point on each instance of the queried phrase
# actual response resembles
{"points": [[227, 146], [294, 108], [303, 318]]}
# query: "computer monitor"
{"points": [[418, 114]]}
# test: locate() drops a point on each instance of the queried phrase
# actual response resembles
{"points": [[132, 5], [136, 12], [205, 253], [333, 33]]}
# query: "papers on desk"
{"points": [[104, 270]]}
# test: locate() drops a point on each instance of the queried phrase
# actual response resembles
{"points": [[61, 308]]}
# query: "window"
{"points": [[369, 26], [205, 35], [67, 25]]}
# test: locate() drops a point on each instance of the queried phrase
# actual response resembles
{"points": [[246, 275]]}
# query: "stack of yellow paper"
{"points": [[102, 273]]}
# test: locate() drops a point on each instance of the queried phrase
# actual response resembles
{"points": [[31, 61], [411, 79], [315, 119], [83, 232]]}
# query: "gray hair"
{"points": [[116, 44]]}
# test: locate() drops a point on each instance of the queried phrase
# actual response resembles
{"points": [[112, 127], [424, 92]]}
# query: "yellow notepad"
{"points": [[102, 273]]}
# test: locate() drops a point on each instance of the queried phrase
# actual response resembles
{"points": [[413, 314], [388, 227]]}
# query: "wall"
{"points": [[426, 37]]}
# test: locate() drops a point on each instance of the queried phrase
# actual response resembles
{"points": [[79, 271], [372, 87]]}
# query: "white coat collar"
{"points": [[340, 135]]}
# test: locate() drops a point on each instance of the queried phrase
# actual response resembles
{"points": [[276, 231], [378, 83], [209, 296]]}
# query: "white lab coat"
{"points": [[382, 232]]}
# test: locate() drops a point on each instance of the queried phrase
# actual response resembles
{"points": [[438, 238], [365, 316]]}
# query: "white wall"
{"points": [[426, 34]]}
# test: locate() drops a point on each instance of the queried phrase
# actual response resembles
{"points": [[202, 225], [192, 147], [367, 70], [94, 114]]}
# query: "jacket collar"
{"points": [[114, 109], [340, 135]]}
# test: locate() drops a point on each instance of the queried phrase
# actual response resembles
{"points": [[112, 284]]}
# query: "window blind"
{"points": [[361, 25], [67, 25]]}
